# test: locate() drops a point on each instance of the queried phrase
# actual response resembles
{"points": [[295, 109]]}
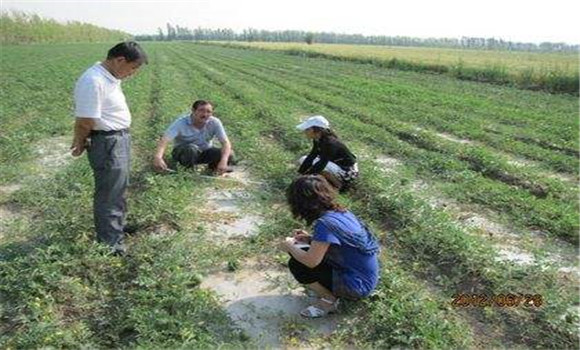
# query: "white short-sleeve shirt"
{"points": [[98, 95]]}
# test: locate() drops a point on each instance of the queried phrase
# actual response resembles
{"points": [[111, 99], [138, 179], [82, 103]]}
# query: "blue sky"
{"points": [[516, 20]]}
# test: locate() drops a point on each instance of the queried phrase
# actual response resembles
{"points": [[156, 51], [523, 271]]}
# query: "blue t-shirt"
{"points": [[355, 273], [182, 132]]}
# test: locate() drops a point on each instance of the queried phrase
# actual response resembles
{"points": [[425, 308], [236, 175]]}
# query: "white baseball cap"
{"points": [[316, 120]]}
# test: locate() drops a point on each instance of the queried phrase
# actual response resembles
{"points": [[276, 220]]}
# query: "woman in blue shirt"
{"points": [[342, 260]]}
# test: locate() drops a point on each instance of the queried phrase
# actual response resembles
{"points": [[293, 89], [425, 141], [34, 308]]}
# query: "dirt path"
{"points": [[50, 155], [265, 302], [452, 138], [512, 159], [513, 245], [518, 161], [260, 296]]}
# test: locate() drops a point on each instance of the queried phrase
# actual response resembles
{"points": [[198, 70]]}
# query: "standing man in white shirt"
{"points": [[102, 128]]}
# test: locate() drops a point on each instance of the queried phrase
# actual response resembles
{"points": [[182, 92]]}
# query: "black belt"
{"points": [[110, 132]]}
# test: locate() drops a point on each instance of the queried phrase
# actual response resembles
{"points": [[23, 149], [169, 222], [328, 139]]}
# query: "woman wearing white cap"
{"points": [[329, 156]]}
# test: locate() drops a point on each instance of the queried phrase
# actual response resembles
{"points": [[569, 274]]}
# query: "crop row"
{"points": [[551, 214], [36, 98], [76, 294], [151, 300], [418, 321], [477, 156], [554, 81], [421, 232], [524, 124]]}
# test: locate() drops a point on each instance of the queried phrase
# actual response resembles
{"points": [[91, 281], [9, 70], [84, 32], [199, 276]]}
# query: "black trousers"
{"points": [[305, 275], [189, 155]]}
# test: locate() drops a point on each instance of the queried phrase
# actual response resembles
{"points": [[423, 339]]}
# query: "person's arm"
{"points": [[82, 129], [226, 151], [87, 98], [158, 161], [305, 166], [324, 158], [220, 132], [319, 166], [168, 136], [302, 236], [310, 258]]}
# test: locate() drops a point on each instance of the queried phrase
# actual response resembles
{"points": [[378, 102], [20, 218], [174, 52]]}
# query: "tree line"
{"points": [[176, 32], [19, 27]]}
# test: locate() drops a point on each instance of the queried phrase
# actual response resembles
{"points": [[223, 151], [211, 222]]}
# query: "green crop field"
{"points": [[471, 188], [531, 70], [511, 60]]}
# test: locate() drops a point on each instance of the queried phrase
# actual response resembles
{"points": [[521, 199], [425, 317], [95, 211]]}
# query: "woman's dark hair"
{"points": [[200, 103], [325, 132], [130, 50], [309, 196]]}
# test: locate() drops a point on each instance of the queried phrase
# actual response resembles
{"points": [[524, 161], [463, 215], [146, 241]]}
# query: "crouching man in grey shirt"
{"points": [[192, 135]]}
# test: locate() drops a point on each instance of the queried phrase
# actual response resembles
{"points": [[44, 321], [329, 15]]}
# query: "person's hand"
{"points": [[159, 164], [221, 167], [287, 244], [301, 236], [77, 148]]}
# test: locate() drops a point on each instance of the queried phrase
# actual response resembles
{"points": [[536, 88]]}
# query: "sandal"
{"points": [[314, 311], [310, 293]]}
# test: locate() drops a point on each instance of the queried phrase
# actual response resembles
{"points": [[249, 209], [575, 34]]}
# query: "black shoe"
{"points": [[119, 249], [213, 172], [131, 229], [348, 186]]}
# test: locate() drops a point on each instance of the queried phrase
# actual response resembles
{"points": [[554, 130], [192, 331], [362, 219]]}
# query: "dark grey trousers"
{"points": [[110, 158], [189, 155]]}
